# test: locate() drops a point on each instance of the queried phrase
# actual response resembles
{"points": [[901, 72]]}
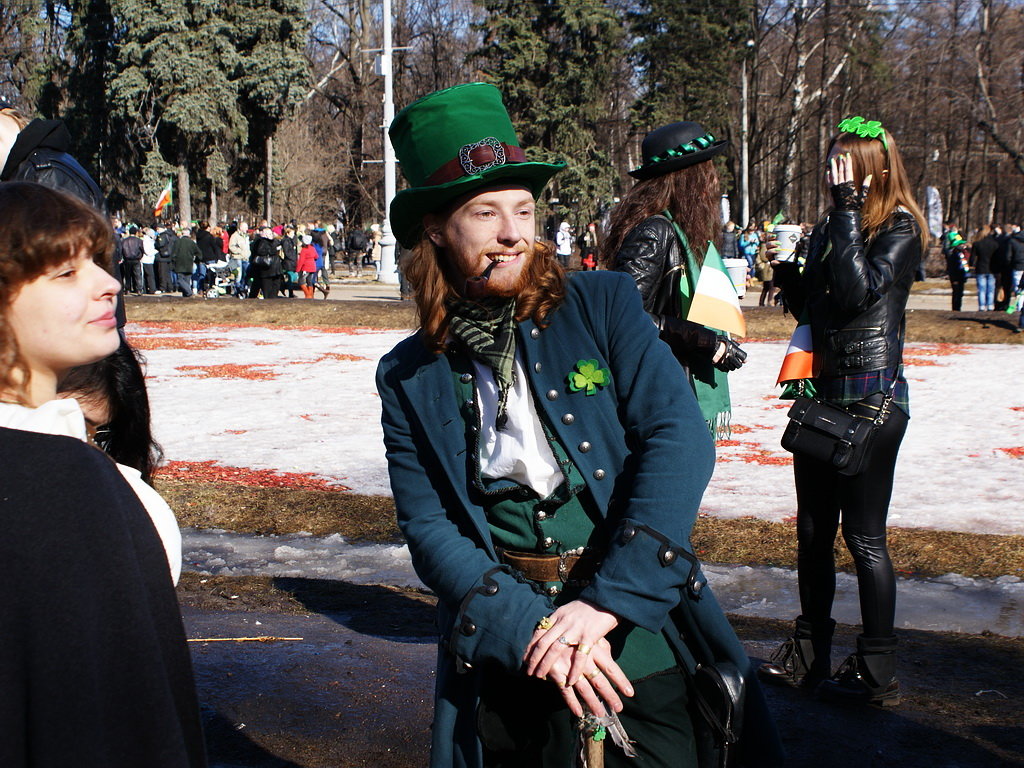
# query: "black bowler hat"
{"points": [[675, 146]]}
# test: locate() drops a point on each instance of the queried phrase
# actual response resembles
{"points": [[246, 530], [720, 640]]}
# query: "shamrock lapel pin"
{"points": [[588, 376]]}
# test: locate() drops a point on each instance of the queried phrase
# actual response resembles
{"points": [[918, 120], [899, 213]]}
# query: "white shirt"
{"points": [[563, 242], [521, 451], [64, 417], [148, 249]]}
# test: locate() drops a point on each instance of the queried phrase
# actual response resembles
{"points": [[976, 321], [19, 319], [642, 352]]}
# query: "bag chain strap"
{"points": [[883, 411]]}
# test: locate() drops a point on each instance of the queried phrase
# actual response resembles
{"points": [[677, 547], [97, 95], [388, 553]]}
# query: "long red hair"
{"points": [[434, 280], [690, 194]]}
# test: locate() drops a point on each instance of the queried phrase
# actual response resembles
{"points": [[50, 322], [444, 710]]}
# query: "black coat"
{"points": [[130, 248], [165, 245], [982, 253], [856, 296], [185, 255], [729, 247], [289, 254], [210, 247], [652, 255], [1016, 249], [264, 260], [94, 667]]}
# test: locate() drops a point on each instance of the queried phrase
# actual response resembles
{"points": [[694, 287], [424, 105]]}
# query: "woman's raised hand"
{"points": [[845, 196]]}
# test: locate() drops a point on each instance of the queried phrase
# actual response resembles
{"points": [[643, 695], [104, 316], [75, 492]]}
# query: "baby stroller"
{"points": [[221, 280]]}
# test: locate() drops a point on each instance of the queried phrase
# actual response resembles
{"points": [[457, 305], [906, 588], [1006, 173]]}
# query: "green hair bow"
{"points": [[870, 129]]}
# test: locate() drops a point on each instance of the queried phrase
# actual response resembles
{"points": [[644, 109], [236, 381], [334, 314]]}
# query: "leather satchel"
{"points": [[831, 434], [719, 691]]}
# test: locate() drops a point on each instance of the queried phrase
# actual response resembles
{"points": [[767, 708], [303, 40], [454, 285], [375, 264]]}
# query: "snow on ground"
{"points": [[949, 603], [303, 400]]}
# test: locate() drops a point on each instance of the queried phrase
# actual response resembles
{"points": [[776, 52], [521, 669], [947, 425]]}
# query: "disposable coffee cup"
{"points": [[786, 237]]}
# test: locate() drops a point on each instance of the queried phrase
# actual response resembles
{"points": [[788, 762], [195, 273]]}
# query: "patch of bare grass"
{"points": [[914, 551], [275, 511], [923, 325]]}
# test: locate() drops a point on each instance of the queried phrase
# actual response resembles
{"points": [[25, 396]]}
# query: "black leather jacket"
{"points": [[653, 256], [856, 297], [40, 154]]}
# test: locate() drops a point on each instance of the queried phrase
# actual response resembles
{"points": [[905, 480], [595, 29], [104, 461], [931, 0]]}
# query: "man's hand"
{"points": [[596, 689], [574, 653]]}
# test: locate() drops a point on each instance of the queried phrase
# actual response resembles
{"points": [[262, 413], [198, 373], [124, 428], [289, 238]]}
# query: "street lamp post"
{"points": [[388, 272], [744, 144]]}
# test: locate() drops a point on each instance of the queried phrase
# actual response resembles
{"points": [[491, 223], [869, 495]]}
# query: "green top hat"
{"points": [[452, 142]]}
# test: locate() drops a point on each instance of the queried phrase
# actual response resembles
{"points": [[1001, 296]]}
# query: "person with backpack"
{"points": [[356, 247], [131, 261], [289, 261], [165, 239], [265, 265]]}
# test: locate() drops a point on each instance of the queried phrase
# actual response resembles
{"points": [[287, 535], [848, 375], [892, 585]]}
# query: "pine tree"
{"points": [[686, 52], [171, 82], [272, 74], [555, 62], [90, 51], [20, 52]]}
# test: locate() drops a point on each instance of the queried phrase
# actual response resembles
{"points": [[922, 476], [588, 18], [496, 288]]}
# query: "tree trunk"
{"points": [[796, 108], [268, 177], [213, 218], [184, 196]]}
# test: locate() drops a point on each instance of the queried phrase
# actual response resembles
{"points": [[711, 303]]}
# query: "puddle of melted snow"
{"points": [[950, 603]]}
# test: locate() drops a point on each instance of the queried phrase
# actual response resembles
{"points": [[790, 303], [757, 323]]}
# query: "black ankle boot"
{"points": [[866, 677], [803, 659]]}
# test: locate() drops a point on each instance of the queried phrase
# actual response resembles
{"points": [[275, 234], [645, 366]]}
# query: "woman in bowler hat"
{"points": [[661, 229]]}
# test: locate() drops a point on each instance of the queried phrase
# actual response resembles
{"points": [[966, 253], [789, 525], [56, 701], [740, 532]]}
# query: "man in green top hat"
{"points": [[547, 464]]}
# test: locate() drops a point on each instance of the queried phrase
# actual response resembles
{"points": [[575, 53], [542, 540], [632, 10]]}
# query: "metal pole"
{"points": [[387, 241], [744, 150]]}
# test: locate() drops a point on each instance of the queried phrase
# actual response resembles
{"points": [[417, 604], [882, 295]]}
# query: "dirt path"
{"points": [[356, 690]]}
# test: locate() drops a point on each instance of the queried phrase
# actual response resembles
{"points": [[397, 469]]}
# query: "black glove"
{"points": [[845, 197], [733, 357]]}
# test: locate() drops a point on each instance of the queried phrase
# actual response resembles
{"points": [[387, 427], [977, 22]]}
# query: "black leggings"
{"points": [[822, 494]]}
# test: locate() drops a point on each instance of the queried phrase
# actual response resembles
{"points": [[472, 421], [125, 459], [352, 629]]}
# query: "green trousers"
{"points": [[524, 723]]}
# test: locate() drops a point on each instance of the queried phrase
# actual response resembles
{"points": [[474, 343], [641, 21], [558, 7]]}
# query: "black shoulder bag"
{"points": [[832, 434]]}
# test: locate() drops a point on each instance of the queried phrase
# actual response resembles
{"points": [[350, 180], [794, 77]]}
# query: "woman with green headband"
{"points": [[852, 293]]}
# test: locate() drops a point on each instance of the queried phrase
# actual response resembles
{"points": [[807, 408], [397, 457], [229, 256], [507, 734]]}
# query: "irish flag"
{"points": [[714, 302], [162, 201], [799, 360]]}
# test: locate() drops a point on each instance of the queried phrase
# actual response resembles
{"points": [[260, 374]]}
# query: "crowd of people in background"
{"points": [[266, 262], [995, 259]]}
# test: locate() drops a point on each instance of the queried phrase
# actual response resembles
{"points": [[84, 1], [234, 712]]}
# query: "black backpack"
{"points": [[357, 241]]}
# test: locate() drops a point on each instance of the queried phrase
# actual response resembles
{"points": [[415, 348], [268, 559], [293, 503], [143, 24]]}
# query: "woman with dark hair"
{"points": [[852, 294], [119, 426], [659, 235], [112, 396], [93, 656]]}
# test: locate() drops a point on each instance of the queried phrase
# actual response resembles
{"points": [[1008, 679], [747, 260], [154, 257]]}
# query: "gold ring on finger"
{"points": [[592, 674], [545, 623], [584, 649]]}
